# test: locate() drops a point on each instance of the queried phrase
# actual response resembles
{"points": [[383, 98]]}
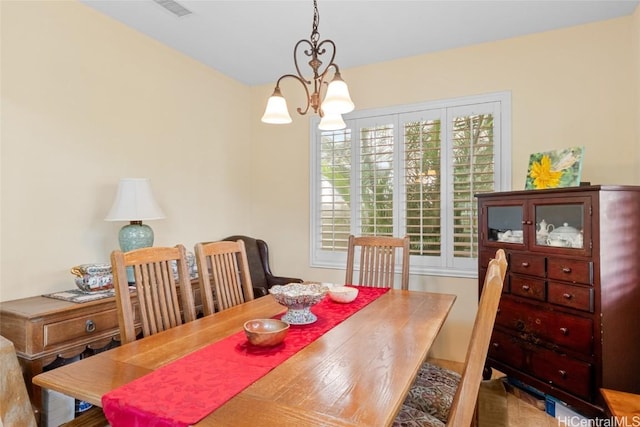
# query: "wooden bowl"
{"points": [[266, 332]]}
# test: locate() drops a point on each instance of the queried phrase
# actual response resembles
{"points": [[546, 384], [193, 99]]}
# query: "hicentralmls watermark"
{"points": [[575, 421]]}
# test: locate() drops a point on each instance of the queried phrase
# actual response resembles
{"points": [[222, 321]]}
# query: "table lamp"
{"points": [[135, 203]]}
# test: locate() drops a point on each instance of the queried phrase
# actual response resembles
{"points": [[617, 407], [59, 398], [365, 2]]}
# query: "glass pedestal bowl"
{"points": [[299, 298]]}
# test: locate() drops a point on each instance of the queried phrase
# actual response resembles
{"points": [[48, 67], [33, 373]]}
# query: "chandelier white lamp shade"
{"points": [[331, 122], [336, 100], [276, 111]]}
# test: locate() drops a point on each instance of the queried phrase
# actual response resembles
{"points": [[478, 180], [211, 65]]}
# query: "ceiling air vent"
{"points": [[174, 7]]}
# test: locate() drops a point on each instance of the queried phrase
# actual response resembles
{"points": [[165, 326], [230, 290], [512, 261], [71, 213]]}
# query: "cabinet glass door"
{"points": [[504, 224], [562, 225]]}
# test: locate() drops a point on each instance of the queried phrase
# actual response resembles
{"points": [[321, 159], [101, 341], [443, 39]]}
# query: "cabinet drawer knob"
{"points": [[562, 373], [525, 264], [567, 296], [566, 270], [525, 288], [90, 326], [564, 331]]}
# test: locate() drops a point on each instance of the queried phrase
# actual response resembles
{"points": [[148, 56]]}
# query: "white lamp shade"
{"points": [[276, 111], [331, 122], [337, 99], [134, 202]]}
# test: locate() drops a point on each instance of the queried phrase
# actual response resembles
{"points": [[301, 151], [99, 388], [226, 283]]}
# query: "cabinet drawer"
{"points": [[570, 270], [574, 296], [557, 329], [527, 264], [507, 349], [527, 287], [572, 375], [80, 327], [485, 257]]}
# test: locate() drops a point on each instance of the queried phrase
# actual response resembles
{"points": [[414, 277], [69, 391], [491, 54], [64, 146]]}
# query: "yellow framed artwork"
{"points": [[555, 169]]}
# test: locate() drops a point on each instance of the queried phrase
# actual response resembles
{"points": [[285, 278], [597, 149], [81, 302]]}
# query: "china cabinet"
{"points": [[568, 319]]}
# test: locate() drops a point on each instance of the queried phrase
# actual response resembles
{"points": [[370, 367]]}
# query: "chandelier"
{"points": [[336, 101]]}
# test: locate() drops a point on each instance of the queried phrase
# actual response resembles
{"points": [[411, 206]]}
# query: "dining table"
{"points": [[356, 373]]}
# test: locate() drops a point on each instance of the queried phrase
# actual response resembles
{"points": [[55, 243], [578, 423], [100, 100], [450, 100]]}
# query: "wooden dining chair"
{"points": [[225, 280], [157, 290], [377, 260], [442, 397]]}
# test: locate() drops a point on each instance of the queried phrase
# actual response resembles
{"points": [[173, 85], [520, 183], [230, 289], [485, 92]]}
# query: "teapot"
{"points": [[566, 236], [544, 229]]}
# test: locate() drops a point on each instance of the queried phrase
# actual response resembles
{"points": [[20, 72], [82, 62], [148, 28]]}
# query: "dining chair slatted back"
{"points": [[225, 280], [377, 260], [464, 401], [157, 287]]}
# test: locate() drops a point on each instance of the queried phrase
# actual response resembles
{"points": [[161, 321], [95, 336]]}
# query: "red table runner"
{"points": [[185, 391]]}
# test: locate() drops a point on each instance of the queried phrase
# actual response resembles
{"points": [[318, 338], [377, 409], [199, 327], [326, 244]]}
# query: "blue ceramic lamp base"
{"points": [[135, 235]]}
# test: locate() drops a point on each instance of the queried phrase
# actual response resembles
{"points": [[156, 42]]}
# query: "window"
{"points": [[410, 170]]}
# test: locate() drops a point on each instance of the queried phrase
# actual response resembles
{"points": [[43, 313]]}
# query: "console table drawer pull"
{"points": [[90, 326], [566, 270], [565, 331], [562, 373], [567, 296], [525, 264], [525, 287]]}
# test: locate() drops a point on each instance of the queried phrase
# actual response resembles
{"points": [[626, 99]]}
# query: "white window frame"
{"points": [[446, 265]]}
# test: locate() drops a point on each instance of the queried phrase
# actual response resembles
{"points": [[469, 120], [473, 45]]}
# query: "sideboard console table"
{"points": [[49, 332]]}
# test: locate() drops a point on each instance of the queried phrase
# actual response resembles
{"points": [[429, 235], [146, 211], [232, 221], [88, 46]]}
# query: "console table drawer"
{"points": [[80, 327]]}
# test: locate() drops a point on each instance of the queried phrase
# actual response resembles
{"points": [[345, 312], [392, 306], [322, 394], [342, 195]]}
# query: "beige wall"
{"points": [[86, 101], [569, 87]]}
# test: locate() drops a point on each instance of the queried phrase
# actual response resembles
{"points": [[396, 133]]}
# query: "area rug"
{"points": [[492, 404]]}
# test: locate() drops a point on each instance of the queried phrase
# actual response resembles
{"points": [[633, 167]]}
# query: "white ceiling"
{"points": [[252, 41]]}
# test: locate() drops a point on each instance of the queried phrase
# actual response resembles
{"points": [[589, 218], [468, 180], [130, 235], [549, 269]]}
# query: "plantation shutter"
{"points": [[422, 181], [412, 170], [335, 198], [376, 180], [472, 159]]}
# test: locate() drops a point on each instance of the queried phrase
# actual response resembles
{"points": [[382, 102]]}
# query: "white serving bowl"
{"points": [[343, 294]]}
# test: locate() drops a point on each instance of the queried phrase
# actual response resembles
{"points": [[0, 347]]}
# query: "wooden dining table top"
{"points": [[356, 374]]}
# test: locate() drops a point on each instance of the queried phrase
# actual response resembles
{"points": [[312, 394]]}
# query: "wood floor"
{"points": [[521, 413]]}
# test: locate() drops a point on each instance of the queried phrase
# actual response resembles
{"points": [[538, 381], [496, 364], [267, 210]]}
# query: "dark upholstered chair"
{"points": [[259, 269]]}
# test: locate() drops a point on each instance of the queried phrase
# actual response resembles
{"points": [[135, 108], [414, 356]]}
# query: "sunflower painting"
{"points": [[554, 169]]}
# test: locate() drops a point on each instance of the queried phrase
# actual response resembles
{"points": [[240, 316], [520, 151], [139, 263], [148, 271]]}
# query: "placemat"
{"points": [[78, 297]]}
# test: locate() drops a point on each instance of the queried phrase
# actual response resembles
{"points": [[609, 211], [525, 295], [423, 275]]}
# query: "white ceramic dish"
{"points": [[343, 294]]}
